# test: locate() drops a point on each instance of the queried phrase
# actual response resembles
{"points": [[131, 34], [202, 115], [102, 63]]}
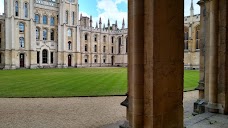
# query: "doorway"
{"points": [[22, 60], [112, 60], [69, 60]]}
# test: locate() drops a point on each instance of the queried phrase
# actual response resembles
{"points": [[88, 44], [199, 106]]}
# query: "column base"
{"points": [[199, 107], [214, 108], [33, 66], [60, 66], [125, 125]]}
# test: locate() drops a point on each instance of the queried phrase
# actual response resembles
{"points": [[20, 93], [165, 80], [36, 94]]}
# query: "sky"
{"points": [[112, 9]]}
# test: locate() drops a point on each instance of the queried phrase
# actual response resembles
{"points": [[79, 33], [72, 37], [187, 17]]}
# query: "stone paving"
{"points": [[86, 112]]}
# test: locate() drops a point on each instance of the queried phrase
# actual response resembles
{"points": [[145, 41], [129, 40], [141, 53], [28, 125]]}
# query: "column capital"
{"points": [[201, 2]]}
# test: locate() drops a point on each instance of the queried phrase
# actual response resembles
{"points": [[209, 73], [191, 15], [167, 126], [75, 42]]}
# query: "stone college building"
{"points": [[49, 34]]}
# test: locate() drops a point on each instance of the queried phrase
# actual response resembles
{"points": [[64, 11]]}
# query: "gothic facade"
{"points": [[50, 33]]}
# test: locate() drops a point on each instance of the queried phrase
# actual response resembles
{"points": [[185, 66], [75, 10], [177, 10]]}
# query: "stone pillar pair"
{"points": [[155, 63]]}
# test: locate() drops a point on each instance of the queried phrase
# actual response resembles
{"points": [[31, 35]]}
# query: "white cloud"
{"points": [[1, 6], [108, 9]]}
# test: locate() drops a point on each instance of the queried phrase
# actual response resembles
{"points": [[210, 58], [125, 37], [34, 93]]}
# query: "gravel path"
{"points": [[84, 112]]}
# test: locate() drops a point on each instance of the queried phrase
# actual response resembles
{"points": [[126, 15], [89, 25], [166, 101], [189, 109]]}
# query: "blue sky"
{"points": [[111, 9]]}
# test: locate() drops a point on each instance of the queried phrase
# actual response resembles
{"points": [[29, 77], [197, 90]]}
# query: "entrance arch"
{"points": [[69, 60]]}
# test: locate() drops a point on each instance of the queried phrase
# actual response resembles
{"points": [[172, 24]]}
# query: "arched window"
{"points": [[37, 18], [16, 8], [37, 33], [66, 17], [119, 45], [104, 49], [104, 39], [86, 36], [44, 19], [86, 47], [69, 33], [95, 38], [95, 48], [52, 21], [45, 34], [52, 35], [21, 27], [69, 45], [112, 49], [22, 42], [45, 56], [26, 10]]}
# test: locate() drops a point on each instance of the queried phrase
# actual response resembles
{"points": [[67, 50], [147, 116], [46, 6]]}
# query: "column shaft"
{"points": [[213, 55], [156, 63]]}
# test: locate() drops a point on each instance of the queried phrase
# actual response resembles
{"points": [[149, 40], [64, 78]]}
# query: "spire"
{"points": [[100, 21], [104, 27], [96, 25], [123, 24], [91, 21], [192, 8], [81, 16], [116, 24], [108, 22]]}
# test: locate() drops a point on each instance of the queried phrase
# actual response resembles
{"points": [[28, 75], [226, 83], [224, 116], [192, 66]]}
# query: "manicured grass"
{"points": [[191, 79], [71, 82]]}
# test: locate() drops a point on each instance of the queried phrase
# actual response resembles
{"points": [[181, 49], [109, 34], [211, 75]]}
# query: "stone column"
{"points": [[155, 63], [213, 57], [136, 62], [199, 105]]}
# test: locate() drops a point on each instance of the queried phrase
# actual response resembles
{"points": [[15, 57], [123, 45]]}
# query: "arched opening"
{"points": [[45, 56], [22, 60], [69, 60]]}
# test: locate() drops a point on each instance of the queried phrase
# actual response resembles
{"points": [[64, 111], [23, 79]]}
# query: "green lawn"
{"points": [[71, 82]]}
